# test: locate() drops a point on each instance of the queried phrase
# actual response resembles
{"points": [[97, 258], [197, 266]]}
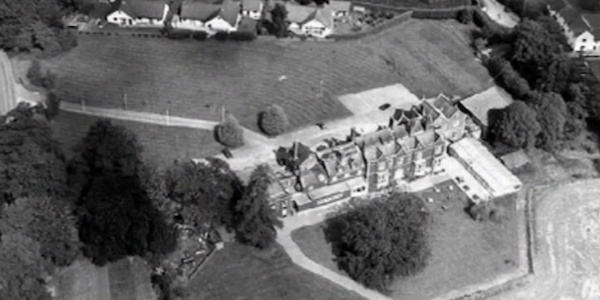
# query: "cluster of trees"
{"points": [[273, 121], [552, 97], [36, 26], [106, 203], [37, 222], [379, 241], [47, 80]]}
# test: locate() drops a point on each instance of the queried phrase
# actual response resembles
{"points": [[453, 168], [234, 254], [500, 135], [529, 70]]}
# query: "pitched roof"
{"points": [[593, 22], [194, 10], [573, 19], [230, 11], [325, 16], [557, 5], [340, 5], [442, 104], [515, 159], [253, 5], [143, 9], [298, 13]]}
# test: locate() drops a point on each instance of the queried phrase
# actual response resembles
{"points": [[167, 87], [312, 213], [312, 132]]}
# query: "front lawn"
{"points": [[161, 144], [194, 79], [464, 252], [242, 272]]}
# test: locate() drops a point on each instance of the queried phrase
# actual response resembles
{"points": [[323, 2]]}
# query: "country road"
{"points": [[567, 237]]}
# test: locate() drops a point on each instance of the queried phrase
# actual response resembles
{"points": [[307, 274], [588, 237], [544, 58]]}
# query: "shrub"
{"points": [[179, 34], [39, 78], [485, 211], [242, 36], [52, 106], [229, 132], [221, 36], [200, 35], [274, 121], [465, 16]]}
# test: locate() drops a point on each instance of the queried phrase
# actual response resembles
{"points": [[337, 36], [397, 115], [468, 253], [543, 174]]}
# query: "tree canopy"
{"points": [[31, 161], [552, 116], [255, 219], [517, 125], [274, 121], [278, 25], [230, 133], [205, 192], [116, 216], [34, 25], [382, 240], [49, 222]]}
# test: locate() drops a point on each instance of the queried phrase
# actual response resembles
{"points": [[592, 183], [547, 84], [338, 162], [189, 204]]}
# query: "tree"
{"points": [[591, 5], [517, 125], [116, 217], [230, 133], [379, 241], [274, 121], [552, 116], [479, 44], [465, 16], [205, 192], [508, 77], [255, 219], [278, 26], [52, 106], [31, 161], [556, 74], [49, 222], [35, 26], [23, 269]]}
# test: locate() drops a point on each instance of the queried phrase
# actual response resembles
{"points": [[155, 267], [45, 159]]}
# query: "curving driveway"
{"points": [[567, 237]]}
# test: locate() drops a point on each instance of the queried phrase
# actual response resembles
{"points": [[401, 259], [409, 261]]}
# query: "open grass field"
{"points": [[121, 280], [240, 272], [193, 79], [595, 66], [464, 252], [162, 145]]}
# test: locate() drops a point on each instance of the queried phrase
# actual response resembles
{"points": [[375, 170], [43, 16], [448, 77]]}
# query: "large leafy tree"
{"points": [[117, 217], [278, 24], [255, 219], [31, 161], [49, 222], [230, 133], [23, 269], [205, 192], [552, 116], [274, 121], [517, 125], [33, 25], [379, 241]]}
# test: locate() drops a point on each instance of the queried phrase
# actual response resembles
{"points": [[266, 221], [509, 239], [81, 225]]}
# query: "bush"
{"points": [[200, 35], [436, 14], [221, 36], [242, 36], [485, 211], [39, 78], [230, 133], [179, 34], [274, 121], [52, 106], [465, 16]]}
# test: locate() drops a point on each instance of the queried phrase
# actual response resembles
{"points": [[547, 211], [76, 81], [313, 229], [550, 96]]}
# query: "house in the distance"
{"points": [[209, 17], [252, 9], [227, 19], [310, 20], [138, 13], [581, 30], [340, 8]]}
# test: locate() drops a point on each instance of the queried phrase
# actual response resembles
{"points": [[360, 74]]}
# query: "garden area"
{"points": [[242, 272], [193, 79], [161, 144], [463, 251]]}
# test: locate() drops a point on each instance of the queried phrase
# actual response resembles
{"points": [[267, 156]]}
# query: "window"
{"points": [[116, 19], [584, 40]]}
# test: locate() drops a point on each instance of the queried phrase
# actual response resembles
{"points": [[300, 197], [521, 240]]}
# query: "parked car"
{"points": [[384, 106]]}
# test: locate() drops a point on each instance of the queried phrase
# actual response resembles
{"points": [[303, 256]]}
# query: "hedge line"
{"points": [[431, 4], [178, 34], [450, 13], [377, 29]]}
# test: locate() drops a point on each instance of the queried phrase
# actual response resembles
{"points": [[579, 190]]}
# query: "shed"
{"points": [[515, 160]]}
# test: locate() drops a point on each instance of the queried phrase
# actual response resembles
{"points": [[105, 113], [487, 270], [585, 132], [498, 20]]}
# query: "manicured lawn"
{"points": [[464, 252], [162, 145], [240, 272], [193, 79]]}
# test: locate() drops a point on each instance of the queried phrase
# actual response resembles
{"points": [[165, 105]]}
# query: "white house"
{"points": [[582, 31], [210, 17], [252, 9], [227, 19], [310, 21], [139, 13], [340, 8]]}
